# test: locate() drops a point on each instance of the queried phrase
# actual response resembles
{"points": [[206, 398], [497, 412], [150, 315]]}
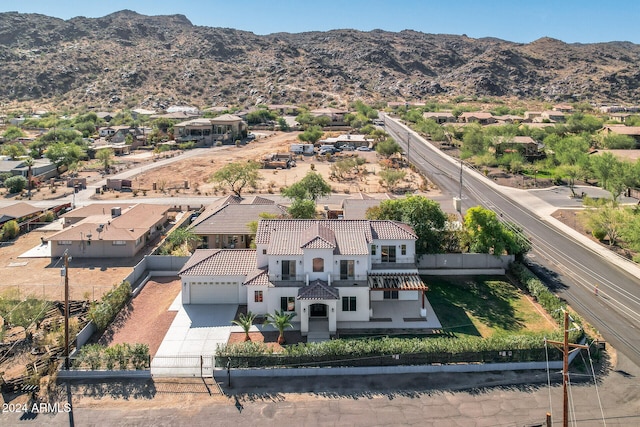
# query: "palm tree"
{"points": [[280, 320], [29, 163], [245, 321]]}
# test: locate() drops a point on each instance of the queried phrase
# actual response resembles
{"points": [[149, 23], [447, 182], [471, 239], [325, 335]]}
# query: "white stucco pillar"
{"points": [[304, 318], [333, 312], [186, 293]]}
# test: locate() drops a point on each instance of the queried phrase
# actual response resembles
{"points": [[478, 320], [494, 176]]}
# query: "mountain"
{"points": [[126, 59]]}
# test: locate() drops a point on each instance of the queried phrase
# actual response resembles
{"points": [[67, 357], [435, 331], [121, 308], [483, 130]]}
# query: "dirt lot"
{"points": [[146, 319]]}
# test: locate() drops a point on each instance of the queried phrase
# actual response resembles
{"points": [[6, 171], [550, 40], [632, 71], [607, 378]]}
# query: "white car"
{"points": [[363, 148]]}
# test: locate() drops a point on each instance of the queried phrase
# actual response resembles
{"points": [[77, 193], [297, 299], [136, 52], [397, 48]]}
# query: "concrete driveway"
{"points": [[191, 341]]}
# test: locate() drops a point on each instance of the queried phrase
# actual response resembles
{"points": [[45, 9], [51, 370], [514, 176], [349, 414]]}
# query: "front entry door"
{"points": [[318, 310]]}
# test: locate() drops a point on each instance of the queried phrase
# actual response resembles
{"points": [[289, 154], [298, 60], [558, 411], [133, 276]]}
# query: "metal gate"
{"points": [[183, 366]]}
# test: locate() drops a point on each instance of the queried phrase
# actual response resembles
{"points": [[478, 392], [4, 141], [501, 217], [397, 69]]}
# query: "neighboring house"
{"points": [[284, 109], [551, 116], [347, 139], [336, 116], [18, 212], [356, 206], [480, 117], [339, 272], [108, 231], [139, 135], [440, 117], [620, 117], [226, 128], [632, 131], [41, 170], [530, 116], [524, 145], [225, 224], [106, 131], [105, 115], [564, 108], [508, 118]]}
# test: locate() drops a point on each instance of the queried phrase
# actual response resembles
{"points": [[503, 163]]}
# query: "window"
{"points": [[64, 242], [403, 249], [264, 252], [288, 270], [318, 264], [119, 243], [373, 249], [257, 296], [390, 295], [348, 303], [204, 244], [347, 269], [388, 254], [287, 303]]}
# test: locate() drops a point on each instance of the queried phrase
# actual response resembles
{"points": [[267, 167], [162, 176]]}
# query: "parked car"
{"points": [[363, 148], [251, 137], [348, 148]]}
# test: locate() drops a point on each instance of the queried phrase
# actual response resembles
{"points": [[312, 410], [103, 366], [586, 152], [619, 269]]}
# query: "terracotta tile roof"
{"points": [[318, 290], [318, 237], [220, 262], [258, 277], [352, 237]]}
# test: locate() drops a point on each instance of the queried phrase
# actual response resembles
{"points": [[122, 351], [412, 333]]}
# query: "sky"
{"points": [[522, 21]]}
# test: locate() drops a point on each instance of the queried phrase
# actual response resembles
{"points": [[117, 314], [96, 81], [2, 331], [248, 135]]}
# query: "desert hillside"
{"points": [[126, 59]]}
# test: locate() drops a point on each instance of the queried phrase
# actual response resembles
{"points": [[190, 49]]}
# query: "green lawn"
{"points": [[484, 306]]}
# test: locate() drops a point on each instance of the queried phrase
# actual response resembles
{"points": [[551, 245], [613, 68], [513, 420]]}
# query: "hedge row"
{"points": [[103, 312], [122, 356]]}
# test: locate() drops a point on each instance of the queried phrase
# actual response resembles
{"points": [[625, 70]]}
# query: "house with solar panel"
{"points": [[334, 274]]}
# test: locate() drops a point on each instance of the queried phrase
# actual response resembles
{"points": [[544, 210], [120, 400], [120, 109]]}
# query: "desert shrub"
{"points": [[599, 233], [10, 230], [15, 184]]}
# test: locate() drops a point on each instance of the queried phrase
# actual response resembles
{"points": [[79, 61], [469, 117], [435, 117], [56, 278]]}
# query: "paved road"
{"points": [[487, 399], [574, 266]]}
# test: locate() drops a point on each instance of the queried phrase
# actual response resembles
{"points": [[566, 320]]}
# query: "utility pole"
{"points": [[564, 346], [66, 311]]}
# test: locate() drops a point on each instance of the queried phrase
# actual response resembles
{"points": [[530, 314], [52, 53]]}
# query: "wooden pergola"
{"points": [[397, 282]]}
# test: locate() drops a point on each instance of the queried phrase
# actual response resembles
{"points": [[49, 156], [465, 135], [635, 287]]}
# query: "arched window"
{"points": [[318, 264]]}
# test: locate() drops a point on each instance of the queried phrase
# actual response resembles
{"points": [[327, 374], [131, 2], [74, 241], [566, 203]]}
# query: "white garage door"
{"points": [[214, 294]]}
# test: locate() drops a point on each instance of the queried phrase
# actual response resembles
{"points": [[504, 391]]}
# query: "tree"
{"points": [[473, 141], [63, 154], [237, 176], [571, 172], [391, 177], [15, 184], [620, 142], [388, 147], [603, 167], [302, 209], [13, 132], [280, 320], [424, 215], [609, 218], [486, 234], [311, 135], [245, 321], [105, 155], [29, 164], [14, 151], [311, 187], [181, 240], [283, 125]]}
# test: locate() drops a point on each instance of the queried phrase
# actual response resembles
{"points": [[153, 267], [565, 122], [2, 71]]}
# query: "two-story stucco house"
{"points": [[340, 273]]}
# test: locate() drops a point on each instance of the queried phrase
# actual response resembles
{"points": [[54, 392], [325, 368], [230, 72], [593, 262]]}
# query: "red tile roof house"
{"points": [[108, 231], [225, 224], [331, 273]]}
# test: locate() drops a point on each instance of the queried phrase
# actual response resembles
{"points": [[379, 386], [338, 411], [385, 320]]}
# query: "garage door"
{"points": [[206, 293]]}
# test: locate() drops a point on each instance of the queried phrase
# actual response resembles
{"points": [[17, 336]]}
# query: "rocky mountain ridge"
{"points": [[126, 59]]}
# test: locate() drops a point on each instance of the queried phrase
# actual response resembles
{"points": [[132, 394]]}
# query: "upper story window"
{"points": [[388, 254], [403, 249], [347, 269], [318, 265], [288, 269], [373, 249]]}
